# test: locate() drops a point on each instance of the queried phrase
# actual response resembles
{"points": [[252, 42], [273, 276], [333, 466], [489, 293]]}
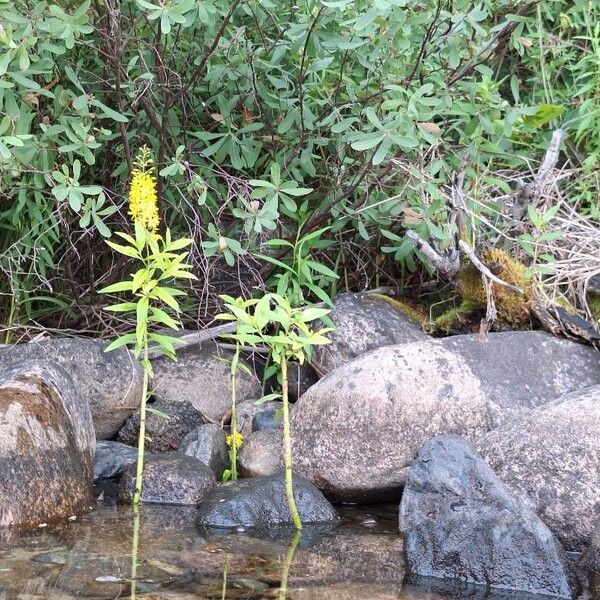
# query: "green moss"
{"points": [[403, 307], [453, 318], [594, 304]]}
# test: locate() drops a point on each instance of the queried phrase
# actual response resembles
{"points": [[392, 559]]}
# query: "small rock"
{"points": [[550, 458], [112, 458], [459, 522], [207, 444], [261, 453], [163, 434], [247, 411], [169, 479], [110, 381], [267, 419], [47, 445], [201, 376], [261, 502], [364, 322]]}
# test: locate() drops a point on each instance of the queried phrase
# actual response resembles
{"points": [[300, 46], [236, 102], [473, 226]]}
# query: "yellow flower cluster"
{"points": [[143, 201], [239, 438]]}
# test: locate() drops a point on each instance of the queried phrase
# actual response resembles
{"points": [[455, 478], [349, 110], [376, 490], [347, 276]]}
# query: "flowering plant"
{"points": [[160, 260]]}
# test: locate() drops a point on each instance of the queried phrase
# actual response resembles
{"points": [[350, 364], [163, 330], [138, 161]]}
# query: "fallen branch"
{"points": [[448, 264]]}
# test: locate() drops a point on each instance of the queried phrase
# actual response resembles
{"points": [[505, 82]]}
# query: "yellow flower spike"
{"points": [[239, 439], [143, 199]]}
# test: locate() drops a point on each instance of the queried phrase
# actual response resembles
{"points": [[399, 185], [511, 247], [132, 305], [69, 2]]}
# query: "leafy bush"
{"points": [[269, 118]]}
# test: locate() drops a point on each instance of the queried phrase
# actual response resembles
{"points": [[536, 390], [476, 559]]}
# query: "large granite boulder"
{"points": [[590, 562], [207, 444], [261, 453], [363, 322], [169, 478], [47, 445], [201, 376], [550, 458], [356, 431], [261, 502], [459, 522], [111, 382], [167, 423]]}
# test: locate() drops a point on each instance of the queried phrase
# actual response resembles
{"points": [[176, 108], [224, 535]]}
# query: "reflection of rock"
{"points": [[110, 381], [347, 591], [47, 445]]}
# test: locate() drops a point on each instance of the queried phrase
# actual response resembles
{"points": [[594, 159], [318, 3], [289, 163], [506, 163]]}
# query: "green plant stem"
{"points": [[139, 473], [234, 368], [287, 563], [135, 545], [287, 447]]}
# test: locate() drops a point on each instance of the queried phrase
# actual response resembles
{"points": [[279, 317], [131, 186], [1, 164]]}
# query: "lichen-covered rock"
{"points": [[363, 322], [261, 502], [201, 376], [170, 478], [459, 522], [207, 444], [261, 453], [112, 458], [356, 431], [164, 433], [111, 382], [46, 445], [550, 458]]}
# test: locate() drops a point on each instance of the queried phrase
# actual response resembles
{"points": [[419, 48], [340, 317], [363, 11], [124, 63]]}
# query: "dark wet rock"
{"points": [[112, 458], [111, 382], [267, 419], [172, 478], [550, 458], [261, 502], [201, 376], [356, 431], [246, 411], [207, 444], [163, 434], [459, 522], [521, 370], [590, 563], [363, 322], [300, 378], [261, 453], [47, 445]]}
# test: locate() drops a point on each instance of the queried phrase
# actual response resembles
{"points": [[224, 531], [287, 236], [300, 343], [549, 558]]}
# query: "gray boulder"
{"points": [[47, 446], [112, 458], [459, 522], [550, 458], [356, 431], [170, 478], [591, 563], [201, 376], [363, 322], [111, 382], [163, 433], [261, 502], [207, 444], [247, 411], [261, 453]]}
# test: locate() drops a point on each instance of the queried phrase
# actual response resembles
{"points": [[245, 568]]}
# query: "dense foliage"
{"points": [[336, 122]]}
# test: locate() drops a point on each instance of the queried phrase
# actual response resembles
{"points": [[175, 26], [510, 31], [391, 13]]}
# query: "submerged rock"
{"points": [[201, 376], [170, 478], [459, 522], [112, 458], [111, 382], [207, 444], [550, 458], [261, 502], [261, 453], [164, 431], [46, 445], [356, 431], [363, 322]]}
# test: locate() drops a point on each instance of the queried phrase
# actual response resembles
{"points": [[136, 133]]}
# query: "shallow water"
{"points": [[91, 557]]}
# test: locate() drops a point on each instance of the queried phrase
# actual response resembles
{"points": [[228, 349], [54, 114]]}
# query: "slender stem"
{"points": [[287, 447], [234, 367], [137, 495], [287, 563], [224, 588], [135, 545], [11, 318]]}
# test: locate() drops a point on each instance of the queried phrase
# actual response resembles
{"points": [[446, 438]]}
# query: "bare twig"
{"points": [[448, 265]]}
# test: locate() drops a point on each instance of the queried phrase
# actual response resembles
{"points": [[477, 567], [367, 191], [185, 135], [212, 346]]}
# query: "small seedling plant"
{"points": [[272, 321]]}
